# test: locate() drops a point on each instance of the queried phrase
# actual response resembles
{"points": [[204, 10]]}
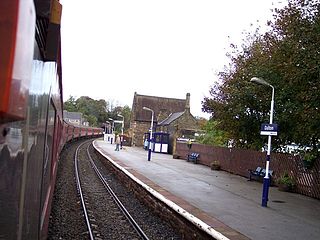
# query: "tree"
{"points": [[70, 105], [212, 135], [288, 57], [90, 108], [102, 112], [98, 112], [92, 120], [125, 112]]}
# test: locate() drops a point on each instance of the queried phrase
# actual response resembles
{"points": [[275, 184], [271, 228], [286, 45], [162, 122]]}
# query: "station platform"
{"points": [[229, 203]]}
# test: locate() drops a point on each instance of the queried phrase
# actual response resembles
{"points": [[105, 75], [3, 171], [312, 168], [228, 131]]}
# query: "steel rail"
{"points": [[116, 199], [80, 192]]}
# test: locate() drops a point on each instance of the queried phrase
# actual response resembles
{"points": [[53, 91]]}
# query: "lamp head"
{"points": [[260, 81], [148, 109]]}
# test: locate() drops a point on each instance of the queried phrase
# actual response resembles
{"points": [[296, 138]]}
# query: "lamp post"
{"points": [[107, 129], [150, 136], [112, 128], [122, 126], [266, 179], [105, 132]]}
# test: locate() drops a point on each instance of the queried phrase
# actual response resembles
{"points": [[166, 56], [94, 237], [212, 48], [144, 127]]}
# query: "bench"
{"points": [[259, 174], [193, 157]]}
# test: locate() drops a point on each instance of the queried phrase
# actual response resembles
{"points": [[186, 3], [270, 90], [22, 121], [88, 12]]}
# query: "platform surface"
{"points": [[229, 203]]}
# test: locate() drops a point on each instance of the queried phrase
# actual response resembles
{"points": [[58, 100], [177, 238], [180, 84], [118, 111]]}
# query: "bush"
{"points": [[215, 165], [286, 182], [309, 159]]}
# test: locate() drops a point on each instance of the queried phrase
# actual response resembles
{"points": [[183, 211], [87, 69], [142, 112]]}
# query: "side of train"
{"points": [[32, 130]]}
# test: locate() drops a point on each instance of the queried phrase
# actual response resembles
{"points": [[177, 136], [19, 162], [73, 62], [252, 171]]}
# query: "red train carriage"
{"points": [[32, 130], [74, 132], [31, 115]]}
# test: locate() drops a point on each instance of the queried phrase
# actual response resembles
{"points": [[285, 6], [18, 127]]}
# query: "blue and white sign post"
{"points": [[270, 130]]}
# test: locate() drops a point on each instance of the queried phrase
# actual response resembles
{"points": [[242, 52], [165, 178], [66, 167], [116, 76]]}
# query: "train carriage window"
{"points": [[17, 30]]}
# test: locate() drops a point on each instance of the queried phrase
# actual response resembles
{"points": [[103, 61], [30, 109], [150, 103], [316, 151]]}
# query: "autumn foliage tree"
{"points": [[288, 57]]}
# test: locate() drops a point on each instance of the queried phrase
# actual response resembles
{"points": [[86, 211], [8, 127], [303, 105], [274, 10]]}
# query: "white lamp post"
{"points": [[122, 126], [107, 129], [112, 128], [266, 180], [150, 136]]}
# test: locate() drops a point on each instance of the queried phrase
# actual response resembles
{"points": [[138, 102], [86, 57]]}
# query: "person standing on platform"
{"points": [[121, 141], [117, 142]]}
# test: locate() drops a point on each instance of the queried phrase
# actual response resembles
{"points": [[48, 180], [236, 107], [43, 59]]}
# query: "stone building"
{"points": [[75, 118], [179, 125], [171, 115]]}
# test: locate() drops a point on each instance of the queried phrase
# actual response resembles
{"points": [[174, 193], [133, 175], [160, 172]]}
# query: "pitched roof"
{"points": [[72, 115], [170, 118], [161, 106]]}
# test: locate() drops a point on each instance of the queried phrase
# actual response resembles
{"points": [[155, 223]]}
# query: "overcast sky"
{"points": [[165, 48]]}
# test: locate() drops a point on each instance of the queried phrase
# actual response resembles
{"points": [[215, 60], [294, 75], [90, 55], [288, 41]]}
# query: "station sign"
{"points": [[269, 129]]}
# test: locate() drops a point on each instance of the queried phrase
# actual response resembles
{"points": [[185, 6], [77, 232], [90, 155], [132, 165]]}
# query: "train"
{"points": [[32, 129]]}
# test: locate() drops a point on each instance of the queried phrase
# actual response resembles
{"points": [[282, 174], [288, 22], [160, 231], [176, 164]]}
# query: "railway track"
{"points": [[105, 220], [92, 185]]}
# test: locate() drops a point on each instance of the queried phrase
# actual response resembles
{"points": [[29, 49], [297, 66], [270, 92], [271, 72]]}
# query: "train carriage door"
{"points": [[56, 142], [47, 158]]}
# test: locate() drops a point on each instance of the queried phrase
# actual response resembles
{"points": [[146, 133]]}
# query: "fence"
{"points": [[238, 161]]}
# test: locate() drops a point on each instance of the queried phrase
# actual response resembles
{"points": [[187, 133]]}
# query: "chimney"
{"points": [[187, 108]]}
